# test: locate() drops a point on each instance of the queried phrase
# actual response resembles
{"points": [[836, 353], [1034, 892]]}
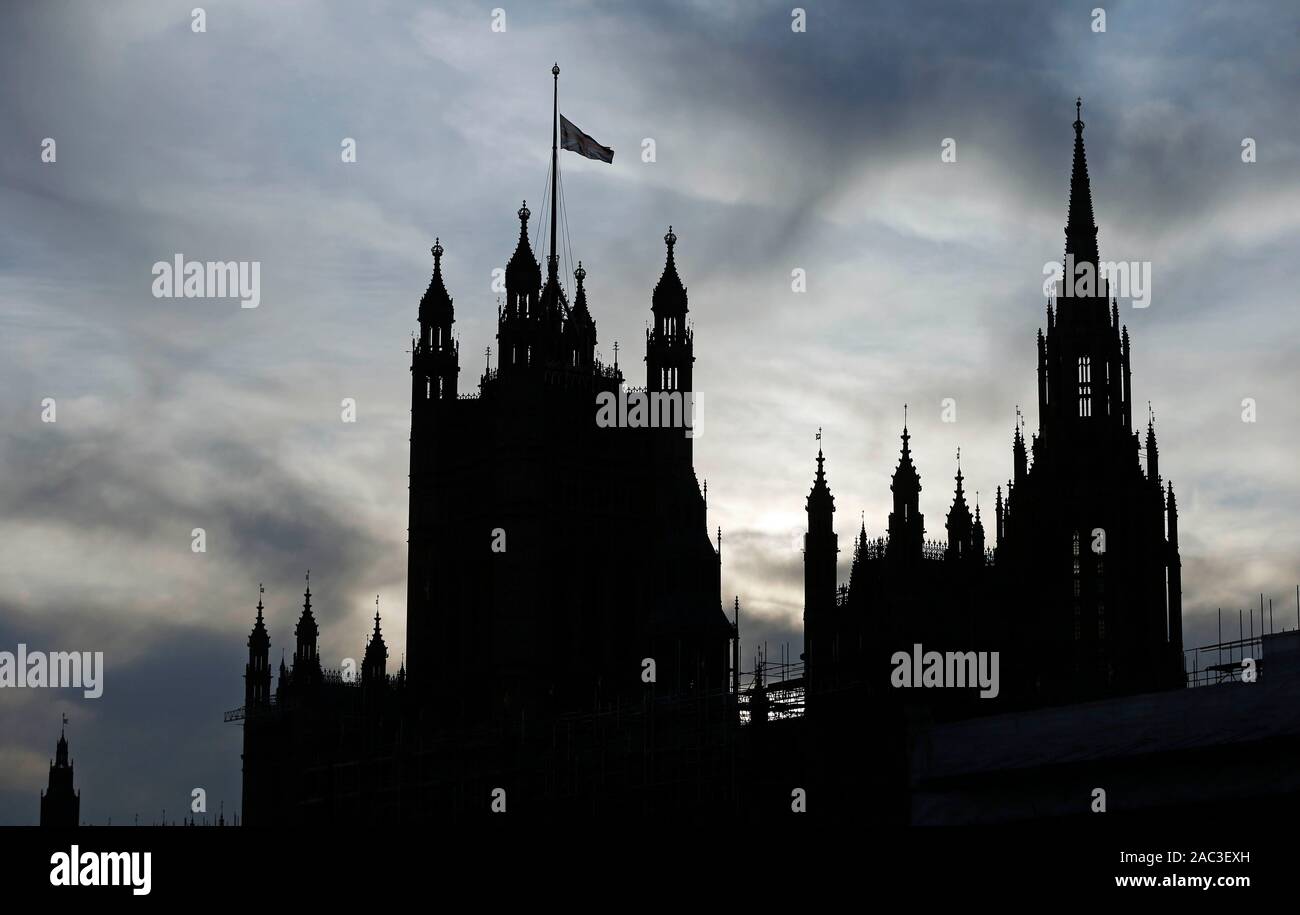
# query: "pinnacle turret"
{"points": [[1080, 227], [669, 296], [523, 275]]}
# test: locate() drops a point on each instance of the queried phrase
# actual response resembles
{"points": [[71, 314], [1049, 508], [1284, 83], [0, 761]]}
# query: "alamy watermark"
{"points": [[1124, 279], [182, 279], [953, 669], [103, 868], [651, 410], [82, 670]]}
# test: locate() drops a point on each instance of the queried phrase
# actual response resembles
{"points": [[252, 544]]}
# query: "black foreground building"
{"points": [[569, 653], [60, 801]]}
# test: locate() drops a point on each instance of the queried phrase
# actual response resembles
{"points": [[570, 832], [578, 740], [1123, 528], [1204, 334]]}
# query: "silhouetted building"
{"points": [[60, 803], [549, 555], [558, 566], [1081, 593], [566, 643]]}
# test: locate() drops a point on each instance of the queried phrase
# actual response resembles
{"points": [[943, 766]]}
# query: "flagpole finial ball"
{"points": [[524, 212], [670, 239], [555, 70]]}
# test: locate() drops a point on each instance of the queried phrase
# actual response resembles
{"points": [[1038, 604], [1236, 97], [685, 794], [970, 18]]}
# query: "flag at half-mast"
{"points": [[574, 140]]}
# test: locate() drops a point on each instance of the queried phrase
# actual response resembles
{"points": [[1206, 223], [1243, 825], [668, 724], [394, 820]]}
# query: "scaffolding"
{"points": [[774, 690], [1225, 661]]}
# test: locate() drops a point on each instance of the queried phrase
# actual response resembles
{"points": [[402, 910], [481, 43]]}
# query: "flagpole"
{"points": [[554, 266]]}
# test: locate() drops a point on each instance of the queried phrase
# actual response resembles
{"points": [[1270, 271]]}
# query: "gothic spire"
{"points": [[580, 317], [259, 637], [906, 473], [670, 345], [820, 496], [435, 305], [305, 659], [1019, 456], [959, 506], [257, 673], [522, 273], [960, 541], [859, 555], [307, 618], [372, 670], [1080, 228], [1153, 450], [580, 329], [670, 295]]}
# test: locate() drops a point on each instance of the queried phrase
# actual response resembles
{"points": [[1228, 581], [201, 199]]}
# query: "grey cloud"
{"points": [[775, 150]]}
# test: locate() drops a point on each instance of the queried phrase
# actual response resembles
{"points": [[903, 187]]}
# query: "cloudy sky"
{"points": [[775, 150]]}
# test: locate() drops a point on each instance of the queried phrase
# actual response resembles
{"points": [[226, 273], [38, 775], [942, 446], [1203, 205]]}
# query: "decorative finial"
{"points": [[524, 212], [555, 71], [580, 274], [437, 250], [904, 417], [670, 239]]}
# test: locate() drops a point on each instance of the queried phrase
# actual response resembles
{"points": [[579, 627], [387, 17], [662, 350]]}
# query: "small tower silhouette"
{"points": [[257, 673], [60, 804], [580, 329], [906, 523], [376, 658], [819, 561], [436, 359], [959, 520], [516, 328], [306, 662], [670, 345]]}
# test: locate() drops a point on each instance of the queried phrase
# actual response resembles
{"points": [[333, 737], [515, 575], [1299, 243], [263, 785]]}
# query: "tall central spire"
{"points": [[1080, 229]]}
